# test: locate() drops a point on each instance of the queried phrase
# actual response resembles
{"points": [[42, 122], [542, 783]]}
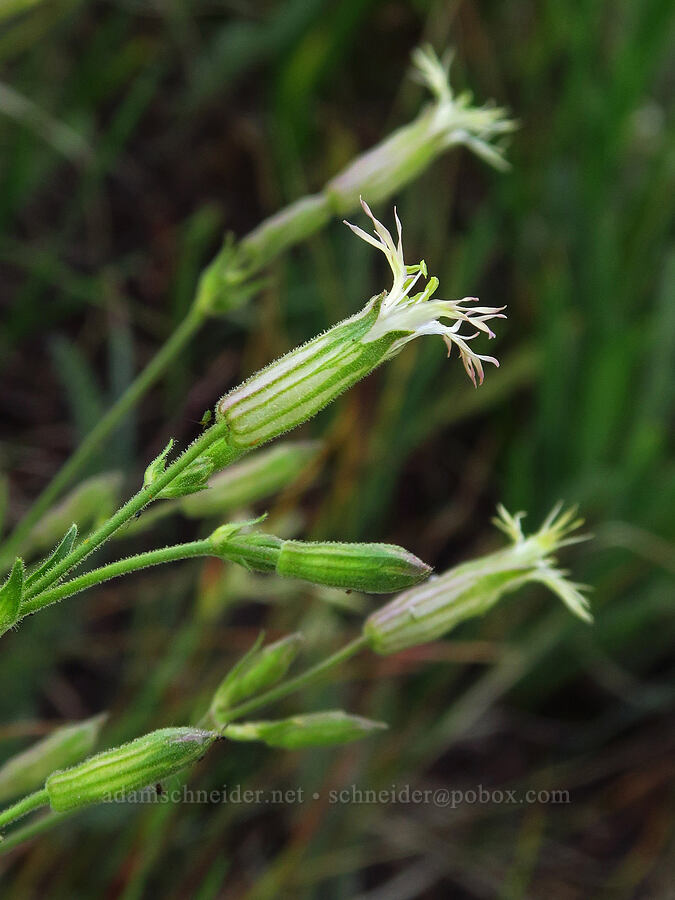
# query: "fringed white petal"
{"points": [[419, 314]]}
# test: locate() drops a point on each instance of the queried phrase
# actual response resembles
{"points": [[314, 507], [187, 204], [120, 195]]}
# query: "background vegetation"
{"points": [[132, 134]]}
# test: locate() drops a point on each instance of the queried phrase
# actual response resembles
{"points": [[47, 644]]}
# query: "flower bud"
{"points": [[195, 476], [27, 770], [429, 611], [257, 670], [373, 568], [141, 762], [262, 474], [242, 484], [321, 729], [10, 597]]}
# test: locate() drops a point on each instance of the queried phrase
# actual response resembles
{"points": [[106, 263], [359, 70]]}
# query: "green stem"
{"points": [[66, 474], [291, 225], [188, 642], [126, 512], [300, 681], [263, 244], [24, 806], [113, 570], [32, 829], [33, 801]]}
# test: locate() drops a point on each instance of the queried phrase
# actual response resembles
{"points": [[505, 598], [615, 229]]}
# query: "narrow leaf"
{"points": [[322, 729], [62, 550], [10, 597], [157, 466]]}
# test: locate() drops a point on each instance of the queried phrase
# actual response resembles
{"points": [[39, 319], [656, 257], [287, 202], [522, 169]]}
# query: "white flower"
{"points": [[537, 550], [450, 120], [453, 119], [429, 611], [417, 314], [295, 387]]}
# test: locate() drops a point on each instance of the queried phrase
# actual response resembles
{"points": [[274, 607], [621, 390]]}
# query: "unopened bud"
{"points": [[260, 475], [257, 670], [373, 568], [66, 745], [193, 478], [321, 729], [135, 765], [156, 468]]}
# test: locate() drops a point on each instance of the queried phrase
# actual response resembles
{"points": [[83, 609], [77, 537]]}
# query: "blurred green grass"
{"points": [[143, 132]]}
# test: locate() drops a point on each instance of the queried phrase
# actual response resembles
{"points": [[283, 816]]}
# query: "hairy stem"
{"points": [[261, 243], [91, 443], [113, 570], [381, 171], [24, 806], [126, 512]]}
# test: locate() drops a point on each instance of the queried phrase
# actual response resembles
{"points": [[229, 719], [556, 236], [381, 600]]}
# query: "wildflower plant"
{"points": [[210, 477]]}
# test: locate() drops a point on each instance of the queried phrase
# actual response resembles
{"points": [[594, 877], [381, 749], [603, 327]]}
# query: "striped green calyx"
{"points": [[301, 383], [256, 670], [112, 774], [429, 611], [66, 745], [373, 568]]}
